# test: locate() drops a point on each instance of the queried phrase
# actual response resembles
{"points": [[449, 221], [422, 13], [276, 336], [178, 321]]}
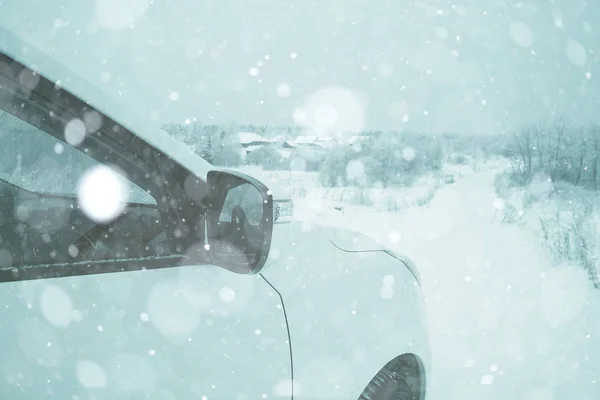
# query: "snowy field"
{"points": [[505, 323]]}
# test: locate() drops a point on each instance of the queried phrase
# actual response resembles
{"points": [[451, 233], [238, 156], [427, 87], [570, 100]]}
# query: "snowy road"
{"points": [[504, 324]]}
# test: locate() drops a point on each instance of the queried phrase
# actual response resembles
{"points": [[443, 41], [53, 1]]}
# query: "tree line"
{"points": [[562, 151]]}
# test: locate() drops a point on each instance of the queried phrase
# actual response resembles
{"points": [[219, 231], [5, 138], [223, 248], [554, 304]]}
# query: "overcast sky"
{"points": [[437, 66]]}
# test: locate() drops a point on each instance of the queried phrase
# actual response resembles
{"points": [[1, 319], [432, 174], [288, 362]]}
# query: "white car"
{"points": [[130, 268]]}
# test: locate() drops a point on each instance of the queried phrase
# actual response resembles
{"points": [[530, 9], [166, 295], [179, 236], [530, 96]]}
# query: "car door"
{"points": [[73, 202]]}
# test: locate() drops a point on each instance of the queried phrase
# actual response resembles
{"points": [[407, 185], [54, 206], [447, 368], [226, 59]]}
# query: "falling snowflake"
{"points": [[576, 53], [75, 132], [408, 153], [102, 194], [521, 33], [90, 374], [283, 90]]}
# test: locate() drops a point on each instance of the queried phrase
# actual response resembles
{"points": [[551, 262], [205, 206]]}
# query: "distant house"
{"points": [[253, 147], [304, 139], [248, 139], [279, 139], [307, 142], [288, 144], [327, 142]]}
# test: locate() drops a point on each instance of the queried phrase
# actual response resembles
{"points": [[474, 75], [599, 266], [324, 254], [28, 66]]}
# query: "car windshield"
{"points": [[463, 134]]}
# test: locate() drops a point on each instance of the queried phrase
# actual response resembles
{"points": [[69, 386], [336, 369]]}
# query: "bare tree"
{"points": [[560, 126], [524, 148], [581, 153], [594, 136], [541, 137]]}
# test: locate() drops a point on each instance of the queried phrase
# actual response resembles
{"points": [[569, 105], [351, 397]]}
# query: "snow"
{"points": [[105, 77], [102, 194], [75, 132], [521, 33], [283, 90], [298, 164], [170, 312], [385, 69], [355, 170], [305, 139], [250, 137], [92, 120], [441, 32], [325, 115], [226, 295], [56, 306], [408, 153], [576, 53], [90, 374], [129, 12], [333, 108]]}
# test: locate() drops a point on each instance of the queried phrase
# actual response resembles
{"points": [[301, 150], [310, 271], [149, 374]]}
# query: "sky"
{"points": [[335, 65]]}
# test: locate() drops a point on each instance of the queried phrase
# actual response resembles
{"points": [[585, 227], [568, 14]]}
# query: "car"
{"points": [[131, 268]]}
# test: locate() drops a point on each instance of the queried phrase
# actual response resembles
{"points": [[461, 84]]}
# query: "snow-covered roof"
{"points": [[305, 139], [249, 137], [325, 139], [279, 139], [253, 147]]}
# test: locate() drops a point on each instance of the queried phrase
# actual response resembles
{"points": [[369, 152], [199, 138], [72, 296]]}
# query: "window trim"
{"points": [[111, 144]]}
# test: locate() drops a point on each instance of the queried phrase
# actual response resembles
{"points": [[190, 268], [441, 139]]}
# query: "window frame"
{"points": [[112, 144]]}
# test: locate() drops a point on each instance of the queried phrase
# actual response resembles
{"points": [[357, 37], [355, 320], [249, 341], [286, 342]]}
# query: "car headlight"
{"points": [[283, 211]]}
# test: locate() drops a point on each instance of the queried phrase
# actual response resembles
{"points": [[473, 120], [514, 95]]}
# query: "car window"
{"points": [[38, 162], [60, 206]]}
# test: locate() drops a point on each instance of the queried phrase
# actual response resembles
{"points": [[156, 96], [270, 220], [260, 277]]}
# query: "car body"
{"points": [[327, 313]]}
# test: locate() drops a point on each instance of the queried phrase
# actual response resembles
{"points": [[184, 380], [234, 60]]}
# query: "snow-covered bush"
{"points": [[564, 152], [333, 167], [567, 217], [267, 157], [382, 161], [459, 159], [570, 227]]}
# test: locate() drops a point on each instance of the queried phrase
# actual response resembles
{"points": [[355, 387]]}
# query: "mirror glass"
{"points": [[246, 197], [238, 238]]}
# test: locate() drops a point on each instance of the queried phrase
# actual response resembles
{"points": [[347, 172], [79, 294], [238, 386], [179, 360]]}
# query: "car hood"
{"points": [[351, 241], [343, 239]]}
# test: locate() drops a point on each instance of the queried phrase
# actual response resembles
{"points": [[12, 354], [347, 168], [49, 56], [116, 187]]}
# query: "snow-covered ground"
{"points": [[504, 323], [304, 187]]}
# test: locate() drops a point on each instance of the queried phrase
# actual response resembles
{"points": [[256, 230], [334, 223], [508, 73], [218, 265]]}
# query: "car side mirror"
{"points": [[239, 221]]}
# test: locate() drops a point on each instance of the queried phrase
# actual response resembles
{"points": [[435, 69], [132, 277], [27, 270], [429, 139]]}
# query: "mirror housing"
{"points": [[239, 221]]}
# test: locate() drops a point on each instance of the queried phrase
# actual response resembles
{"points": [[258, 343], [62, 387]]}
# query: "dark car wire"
{"points": [[287, 325]]}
